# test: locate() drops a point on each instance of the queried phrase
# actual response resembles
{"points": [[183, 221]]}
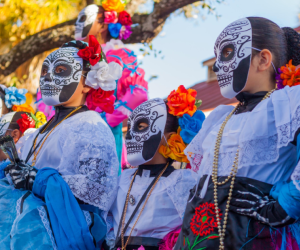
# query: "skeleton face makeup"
{"points": [[61, 73], [5, 121], [85, 20], [142, 144], [233, 53]]}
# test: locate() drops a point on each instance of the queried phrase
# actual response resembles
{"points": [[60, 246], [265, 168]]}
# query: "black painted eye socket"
{"points": [[82, 19], [44, 70], [227, 52], [141, 125], [63, 70]]}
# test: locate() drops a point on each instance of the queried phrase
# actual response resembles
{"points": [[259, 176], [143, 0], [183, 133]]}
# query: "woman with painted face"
{"points": [[109, 23], [247, 151], [67, 177], [151, 198]]}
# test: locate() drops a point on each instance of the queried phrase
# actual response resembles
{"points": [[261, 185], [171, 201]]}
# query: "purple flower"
{"points": [[279, 81], [125, 32]]}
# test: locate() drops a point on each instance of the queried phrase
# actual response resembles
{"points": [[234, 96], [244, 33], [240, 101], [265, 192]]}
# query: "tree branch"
{"points": [[147, 28]]}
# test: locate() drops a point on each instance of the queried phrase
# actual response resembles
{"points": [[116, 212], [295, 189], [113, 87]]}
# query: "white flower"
{"points": [[112, 45], [104, 76]]}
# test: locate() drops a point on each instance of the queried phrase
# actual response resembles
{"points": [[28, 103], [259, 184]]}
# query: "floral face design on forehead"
{"points": [[233, 57], [61, 73], [142, 144]]}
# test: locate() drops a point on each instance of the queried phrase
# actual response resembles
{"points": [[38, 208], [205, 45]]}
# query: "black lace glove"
{"points": [[22, 175], [255, 204]]}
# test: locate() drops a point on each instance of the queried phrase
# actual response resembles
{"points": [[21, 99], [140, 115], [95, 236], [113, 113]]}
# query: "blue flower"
{"points": [[14, 96], [3, 165], [190, 126], [114, 29]]}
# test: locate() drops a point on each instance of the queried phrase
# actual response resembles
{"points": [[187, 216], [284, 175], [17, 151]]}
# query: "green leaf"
{"points": [[198, 103], [187, 239]]}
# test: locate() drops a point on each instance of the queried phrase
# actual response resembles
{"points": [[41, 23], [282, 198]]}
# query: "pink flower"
{"points": [[110, 17], [125, 32]]}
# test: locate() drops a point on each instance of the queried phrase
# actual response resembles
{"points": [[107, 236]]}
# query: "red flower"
{"points": [[102, 99], [25, 123], [204, 221], [124, 18], [91, 53]]}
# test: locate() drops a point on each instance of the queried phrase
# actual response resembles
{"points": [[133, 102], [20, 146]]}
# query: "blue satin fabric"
{"points": [[24, 223], [68, 222]]}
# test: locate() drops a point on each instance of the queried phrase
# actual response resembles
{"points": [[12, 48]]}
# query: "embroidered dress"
{"points": [[82, 150], [266, 156], [164, 210]]}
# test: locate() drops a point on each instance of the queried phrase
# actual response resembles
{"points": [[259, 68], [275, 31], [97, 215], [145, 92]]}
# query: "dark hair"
{"points": [[284, 44], [171, 123], [13, 124]]}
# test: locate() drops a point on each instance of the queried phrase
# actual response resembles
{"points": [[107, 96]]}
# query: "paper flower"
{"points": [[125, 32], [14, 96], [190, 125], [41, 119], [125, 18], [101, 99], [114, 29], [91, 53], [104, 75], [110, 17], [29, 98], [182, 101], [175, 148], [113, 5], [23, 108], [289, 75], [26, 122]]}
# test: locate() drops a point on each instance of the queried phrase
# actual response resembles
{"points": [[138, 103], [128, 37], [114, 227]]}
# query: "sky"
{"points": [[185, 44]]}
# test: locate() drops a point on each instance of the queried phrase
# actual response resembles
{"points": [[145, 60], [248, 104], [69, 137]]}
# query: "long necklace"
{"points": [[231, 175], [35, 154], [126, 205]]}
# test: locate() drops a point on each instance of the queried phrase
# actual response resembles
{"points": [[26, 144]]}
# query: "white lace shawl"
{"points": [[82, 149], [262, 135]]}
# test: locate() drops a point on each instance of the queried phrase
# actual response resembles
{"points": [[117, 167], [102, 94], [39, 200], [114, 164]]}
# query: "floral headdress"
{"points": [[183, 104], [101, 78], [289, 75], [29, 120], [118, 20]]}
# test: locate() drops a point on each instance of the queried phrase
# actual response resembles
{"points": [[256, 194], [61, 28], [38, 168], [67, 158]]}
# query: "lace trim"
{"points": [[18, 206], [88, 218], [179, 191], [44, 218], [124, 111]]}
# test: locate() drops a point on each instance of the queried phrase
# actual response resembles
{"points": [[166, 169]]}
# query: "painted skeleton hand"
{"points": [[22, 175], [253, 203]]}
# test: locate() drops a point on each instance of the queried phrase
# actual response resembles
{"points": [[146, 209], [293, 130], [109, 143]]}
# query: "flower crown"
{"points": [[101, 78], [118, 20], [29, 120], [288, 75], [183, 104]]}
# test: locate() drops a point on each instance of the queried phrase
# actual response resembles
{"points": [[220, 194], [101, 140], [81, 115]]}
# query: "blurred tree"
{"points": [[29, 29]]}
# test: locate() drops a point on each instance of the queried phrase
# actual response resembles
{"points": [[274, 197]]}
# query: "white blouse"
{"points": [[263, 137], [165, 208], [82, 149]]}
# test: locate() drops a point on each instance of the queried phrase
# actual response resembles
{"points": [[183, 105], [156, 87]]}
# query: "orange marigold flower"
{"points": [[290, 75], [174, 149], [29, 98], [182, 101], [23, 107], [113, 5]]}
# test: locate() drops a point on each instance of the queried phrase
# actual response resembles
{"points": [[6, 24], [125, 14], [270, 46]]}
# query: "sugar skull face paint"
{"points": [[142, 144], [85, 20], [233, 53], [61, 73]]}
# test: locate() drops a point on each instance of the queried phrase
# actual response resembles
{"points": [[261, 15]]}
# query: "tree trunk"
{"points": [[147, 28]]}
